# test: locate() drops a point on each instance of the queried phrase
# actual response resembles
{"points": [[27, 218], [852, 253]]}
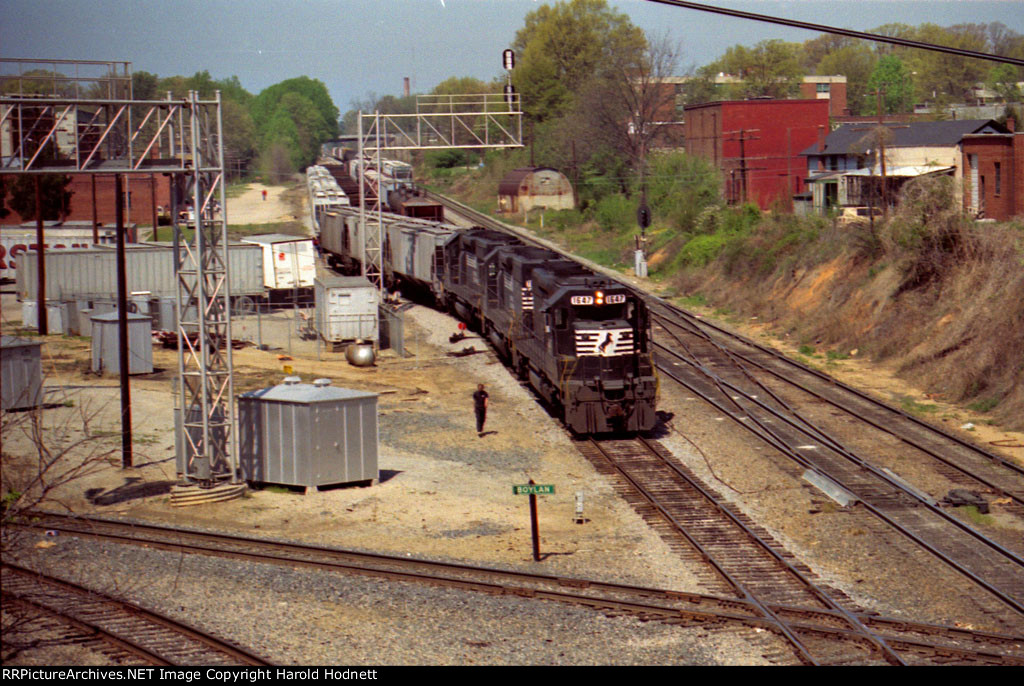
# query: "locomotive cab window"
{"points": [[561, 318]]}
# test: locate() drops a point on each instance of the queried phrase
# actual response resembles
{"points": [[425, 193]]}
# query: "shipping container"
{"points": [[15, 241], [288, 261], [91, 273]]}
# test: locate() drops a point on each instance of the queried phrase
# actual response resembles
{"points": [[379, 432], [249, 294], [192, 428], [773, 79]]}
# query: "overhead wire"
{"points": [[822, 28]]}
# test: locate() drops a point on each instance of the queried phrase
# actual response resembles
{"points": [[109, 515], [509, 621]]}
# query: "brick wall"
{"points": [[139, 187]]}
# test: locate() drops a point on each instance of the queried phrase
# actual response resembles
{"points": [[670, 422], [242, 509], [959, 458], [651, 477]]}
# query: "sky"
{"points": [[362, 47]]}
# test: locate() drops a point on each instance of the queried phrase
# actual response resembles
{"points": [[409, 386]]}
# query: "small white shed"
{"points": [[346, 309]]}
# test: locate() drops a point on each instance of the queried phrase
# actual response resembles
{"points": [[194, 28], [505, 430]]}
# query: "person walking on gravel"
{"points": [[480, 399]]}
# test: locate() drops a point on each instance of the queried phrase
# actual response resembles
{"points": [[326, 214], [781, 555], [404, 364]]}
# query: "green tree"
{"points": [[562, 47], [892, 76], [937, 73], [311, 118], [144, 86], [772, 68], [856, 62], [1002, 79]]}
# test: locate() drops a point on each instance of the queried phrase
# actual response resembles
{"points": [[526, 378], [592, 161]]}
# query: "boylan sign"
{"points": [[534, 489]]}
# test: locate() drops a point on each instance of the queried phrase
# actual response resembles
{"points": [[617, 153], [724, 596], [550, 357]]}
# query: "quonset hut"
{"points": [[524, 189]]}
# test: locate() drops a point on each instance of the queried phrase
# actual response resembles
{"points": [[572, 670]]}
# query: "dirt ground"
{"points": [[251, 208]]}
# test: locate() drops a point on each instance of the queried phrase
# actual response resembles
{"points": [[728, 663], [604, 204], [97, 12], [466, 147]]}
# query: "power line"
{"points": [[842, 32]]}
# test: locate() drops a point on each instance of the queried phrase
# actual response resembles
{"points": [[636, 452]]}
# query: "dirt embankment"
{"points": [[949, 322]]}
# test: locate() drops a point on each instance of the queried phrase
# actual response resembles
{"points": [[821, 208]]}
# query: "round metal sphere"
{"points": [[360, 355]]}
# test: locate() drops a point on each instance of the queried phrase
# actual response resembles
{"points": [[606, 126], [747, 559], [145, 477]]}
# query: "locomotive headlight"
{"points": [[599, 297]]}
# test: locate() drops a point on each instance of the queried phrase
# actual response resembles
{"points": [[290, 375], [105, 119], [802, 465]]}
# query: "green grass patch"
{"points": [[914, 407], [695, 300], [236, 190], [984, 405], [836, 355], [971, 514], [806, 350], [236, 231]]}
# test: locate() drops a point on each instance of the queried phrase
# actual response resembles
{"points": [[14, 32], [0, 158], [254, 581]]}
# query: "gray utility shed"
{"points": [[22, 373], [346, 308], [307, 434], [106, 353]]}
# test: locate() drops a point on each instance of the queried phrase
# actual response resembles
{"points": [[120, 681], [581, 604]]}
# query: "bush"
{"points": [[446, 159], [615, 212]]}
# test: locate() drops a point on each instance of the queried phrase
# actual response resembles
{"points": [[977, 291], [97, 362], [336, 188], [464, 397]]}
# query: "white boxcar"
{"points": [[288, 261]]}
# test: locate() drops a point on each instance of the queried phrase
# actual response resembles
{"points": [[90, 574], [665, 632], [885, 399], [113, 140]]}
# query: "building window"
{"points": [[999, 178], [822, 87]]}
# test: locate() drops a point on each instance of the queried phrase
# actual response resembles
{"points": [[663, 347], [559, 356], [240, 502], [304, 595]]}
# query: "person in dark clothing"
{"points": [[480, 405]]}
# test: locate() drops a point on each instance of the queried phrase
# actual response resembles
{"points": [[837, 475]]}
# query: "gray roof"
{"points": [[275, 238], [14, 342], [344, 282], [113, 317], [843, 140], [305, 393], [509, 185]]}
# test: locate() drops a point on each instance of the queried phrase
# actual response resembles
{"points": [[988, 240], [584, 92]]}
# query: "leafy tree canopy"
{"points": [[891, 76], [563, 46]]}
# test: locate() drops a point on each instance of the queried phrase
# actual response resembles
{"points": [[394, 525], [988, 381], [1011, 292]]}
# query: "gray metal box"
{"points": [[106, 356], [22, 373], [307, 435], [346, 308]]}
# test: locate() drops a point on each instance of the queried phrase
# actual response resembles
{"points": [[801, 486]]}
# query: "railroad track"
{"points": [[738, 358], [712, 365], [126, 633], [912, 642], [743, 557], [902, 508]]}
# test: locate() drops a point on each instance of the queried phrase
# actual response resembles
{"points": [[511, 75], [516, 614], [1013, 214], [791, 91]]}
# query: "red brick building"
{"points": [[757, 145], [993, 177], [831, 88], [142, 192]]}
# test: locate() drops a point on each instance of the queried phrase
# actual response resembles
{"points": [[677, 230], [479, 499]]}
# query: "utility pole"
{"points": [[881, 152]]}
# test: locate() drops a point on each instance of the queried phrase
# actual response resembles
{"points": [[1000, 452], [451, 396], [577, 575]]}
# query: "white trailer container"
{"points": [[91, 273], [346, 309], [15, 241], [288, 261]]}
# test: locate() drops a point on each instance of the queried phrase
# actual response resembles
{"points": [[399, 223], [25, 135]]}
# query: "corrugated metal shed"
{"points": [[528, 187], [21, 375], [307, 434], [106, 356]]}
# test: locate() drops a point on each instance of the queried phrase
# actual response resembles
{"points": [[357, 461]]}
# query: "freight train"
{"points": [[580, 339]]}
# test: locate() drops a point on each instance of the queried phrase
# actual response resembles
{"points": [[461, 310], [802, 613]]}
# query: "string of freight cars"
{"points": [[841, 32]]}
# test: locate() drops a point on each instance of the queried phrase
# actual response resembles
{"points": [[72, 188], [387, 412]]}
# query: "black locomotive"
{"points": [[580, 339]]}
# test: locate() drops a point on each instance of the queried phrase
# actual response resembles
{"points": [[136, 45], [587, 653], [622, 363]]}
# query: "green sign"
{"points": [[534, 489]]}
